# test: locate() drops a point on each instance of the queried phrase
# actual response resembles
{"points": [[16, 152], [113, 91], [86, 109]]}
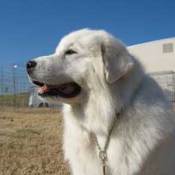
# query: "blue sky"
{"points": [[30, 28]]}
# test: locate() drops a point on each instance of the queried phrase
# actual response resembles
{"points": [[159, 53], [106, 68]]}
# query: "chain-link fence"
{"points": [[14, 86], [16, 91], [167, 81]]}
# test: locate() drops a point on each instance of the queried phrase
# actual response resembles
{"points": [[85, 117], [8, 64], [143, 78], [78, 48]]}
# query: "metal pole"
{"points": [[14, 85]]}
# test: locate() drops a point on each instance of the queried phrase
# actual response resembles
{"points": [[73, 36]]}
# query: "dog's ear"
{"points": [[117, 61]]}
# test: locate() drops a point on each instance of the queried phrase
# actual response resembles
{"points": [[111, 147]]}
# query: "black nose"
{"points": [[31, 64]]}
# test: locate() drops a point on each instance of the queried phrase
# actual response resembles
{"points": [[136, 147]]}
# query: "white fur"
{"points": [[142, 142]]}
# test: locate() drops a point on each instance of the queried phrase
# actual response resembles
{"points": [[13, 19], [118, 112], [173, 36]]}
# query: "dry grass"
{"points": [[30, 142]]}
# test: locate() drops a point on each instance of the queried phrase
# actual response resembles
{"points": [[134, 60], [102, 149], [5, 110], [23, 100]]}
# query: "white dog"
{"points": [[117, 121]]}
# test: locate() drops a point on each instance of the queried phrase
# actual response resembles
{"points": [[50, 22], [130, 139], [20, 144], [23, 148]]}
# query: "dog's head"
{"points": [[83, 59]]}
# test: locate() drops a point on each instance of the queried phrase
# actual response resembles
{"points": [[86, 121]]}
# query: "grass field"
{"points": [[30, 142]]}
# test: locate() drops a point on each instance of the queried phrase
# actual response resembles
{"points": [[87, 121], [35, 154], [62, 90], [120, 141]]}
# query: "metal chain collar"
{"points": [[103, 152]]}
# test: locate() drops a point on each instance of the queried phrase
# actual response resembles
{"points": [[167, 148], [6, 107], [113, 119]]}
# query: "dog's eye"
{"points": [[70, 52]]}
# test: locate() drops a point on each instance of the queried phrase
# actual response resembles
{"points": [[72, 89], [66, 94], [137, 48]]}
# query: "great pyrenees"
{"points": [[116, 118]]}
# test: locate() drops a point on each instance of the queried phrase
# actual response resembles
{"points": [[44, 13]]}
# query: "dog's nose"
{"points": [[30, 65]]}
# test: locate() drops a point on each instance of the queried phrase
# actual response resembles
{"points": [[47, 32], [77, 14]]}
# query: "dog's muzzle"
{"points": [[66, 90]]}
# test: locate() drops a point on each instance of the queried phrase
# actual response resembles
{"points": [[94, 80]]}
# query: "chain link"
{"points": [[103, 152]]}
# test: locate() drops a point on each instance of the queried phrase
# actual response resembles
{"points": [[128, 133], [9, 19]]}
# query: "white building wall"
{"points": [[153, 58]]}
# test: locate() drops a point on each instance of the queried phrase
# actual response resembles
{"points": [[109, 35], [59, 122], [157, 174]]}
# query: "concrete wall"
{"points": [[152, 56]]}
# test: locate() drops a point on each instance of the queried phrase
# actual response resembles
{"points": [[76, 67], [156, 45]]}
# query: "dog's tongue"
{"points": [[43, 89]]}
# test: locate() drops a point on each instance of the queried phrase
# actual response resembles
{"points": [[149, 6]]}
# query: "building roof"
{"points": [[153, 42]]}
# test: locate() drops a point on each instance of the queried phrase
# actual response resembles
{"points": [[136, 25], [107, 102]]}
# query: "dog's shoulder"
{"points": [[151, 116], [151, 101]]}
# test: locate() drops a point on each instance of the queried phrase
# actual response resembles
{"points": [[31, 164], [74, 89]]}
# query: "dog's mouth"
{"points": [[66, 90]]}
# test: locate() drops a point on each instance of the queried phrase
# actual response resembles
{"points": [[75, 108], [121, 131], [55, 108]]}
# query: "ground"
{"points": [[30, 142]]}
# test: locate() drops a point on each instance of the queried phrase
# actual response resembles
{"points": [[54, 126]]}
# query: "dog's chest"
{"points": [[84, 156]]}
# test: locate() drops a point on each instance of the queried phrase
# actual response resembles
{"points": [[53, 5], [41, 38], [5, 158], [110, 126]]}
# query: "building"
{"points": [[158, 58]]}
